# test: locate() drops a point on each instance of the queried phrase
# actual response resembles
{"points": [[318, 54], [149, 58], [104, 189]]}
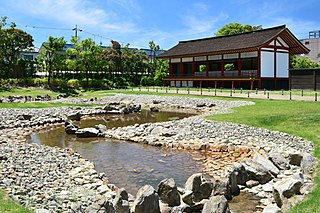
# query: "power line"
{"points": [[76, 29]]}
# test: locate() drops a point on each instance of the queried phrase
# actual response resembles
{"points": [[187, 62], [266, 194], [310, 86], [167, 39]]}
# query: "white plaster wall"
{"points": [[267, 64], [282, 65]]}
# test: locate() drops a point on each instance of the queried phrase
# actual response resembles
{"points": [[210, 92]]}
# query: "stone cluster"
{"points": [[273, 165]]}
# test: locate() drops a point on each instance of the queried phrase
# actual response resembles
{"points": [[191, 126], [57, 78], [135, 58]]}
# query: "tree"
{"points": [[154, 48], [12, 42], [85, 54], [303, 62], [51, 55], [162, 67], [235, 28]]}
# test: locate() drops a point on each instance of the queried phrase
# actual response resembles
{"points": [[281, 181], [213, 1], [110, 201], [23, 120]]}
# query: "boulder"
{"points": [[87, 132], [216, 204], [182, 208], [120, 202], [287, 188], [237, 175], [279, 161], [168, 193], [266, 163], [199, 186], [74, 116], [307, 162], [272, 208], [147, 201], [70, 127], [24, 117], [295, 158], [102, 128], [154, 109], [256, 171], [222, 187]]}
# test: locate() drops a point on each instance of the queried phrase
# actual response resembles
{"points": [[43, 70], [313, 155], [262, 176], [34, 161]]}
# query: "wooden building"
{"points": [[248, 60]]}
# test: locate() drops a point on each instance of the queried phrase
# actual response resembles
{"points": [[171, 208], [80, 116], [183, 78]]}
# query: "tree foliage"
{"points": [[303, 62], [235, 28], [51, 57], [12, 42]]}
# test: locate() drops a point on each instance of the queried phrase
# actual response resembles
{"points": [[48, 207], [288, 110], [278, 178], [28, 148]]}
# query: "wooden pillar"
{"points": [[251, 84], [181, 69], [170, 68], [200, 84], [193, 68], [232, 87], [275, 70], [175, 83], [259, 83], [239, 65], [239, 84], [215, 84], [314, 80]]}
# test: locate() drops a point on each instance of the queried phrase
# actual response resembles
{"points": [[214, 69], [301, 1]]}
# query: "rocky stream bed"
{"points": [[275, 166]]}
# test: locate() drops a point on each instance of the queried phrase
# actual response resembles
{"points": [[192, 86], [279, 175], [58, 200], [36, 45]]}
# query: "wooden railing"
{"points": [[219, 74]]}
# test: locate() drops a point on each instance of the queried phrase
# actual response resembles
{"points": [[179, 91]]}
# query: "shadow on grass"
{"points": [[5, 89], [68, 91]]}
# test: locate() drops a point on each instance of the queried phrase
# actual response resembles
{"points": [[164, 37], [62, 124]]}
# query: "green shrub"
{"points": [[146, 81], [75, 83]]}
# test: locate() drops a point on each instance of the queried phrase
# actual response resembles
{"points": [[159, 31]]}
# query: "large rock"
{"points": [[120, 202], [272, 208], [147, 201], [74, 116], [279, 161], [168, 193], [87, 132], [307, 162], [295, 158], [70, 127], [287, 188], [266, 163], [237, 175], [222, 187], [256, 171], [199, 186], [216, 204]]}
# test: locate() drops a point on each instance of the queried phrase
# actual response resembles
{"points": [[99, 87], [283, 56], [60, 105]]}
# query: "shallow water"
{"points": [[127, 165]]}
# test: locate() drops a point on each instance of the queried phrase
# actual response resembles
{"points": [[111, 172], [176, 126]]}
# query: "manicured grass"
{"points": [[26, 92], [39, 105], [7, 205], [294, 117]]}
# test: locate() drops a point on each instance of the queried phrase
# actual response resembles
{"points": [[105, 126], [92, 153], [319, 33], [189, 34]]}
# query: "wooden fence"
{"points": [[304, 79]]}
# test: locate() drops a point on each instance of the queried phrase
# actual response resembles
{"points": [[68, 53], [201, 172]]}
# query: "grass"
{"points": [[294, 117], [26, 91], [7, 205], [39, 105], [298, 118]]}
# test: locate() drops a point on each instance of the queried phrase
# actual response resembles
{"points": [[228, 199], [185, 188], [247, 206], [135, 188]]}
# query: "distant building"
{"points": [[313, 44], [30, 53]]}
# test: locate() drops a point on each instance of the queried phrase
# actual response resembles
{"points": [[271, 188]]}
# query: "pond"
{"points": [[127, 165]]}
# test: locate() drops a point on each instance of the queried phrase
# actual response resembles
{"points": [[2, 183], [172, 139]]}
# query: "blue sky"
{"points": [[166, 22]]}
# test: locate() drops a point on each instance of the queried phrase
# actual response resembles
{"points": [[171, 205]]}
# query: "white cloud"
{"points": [[70, 12]]}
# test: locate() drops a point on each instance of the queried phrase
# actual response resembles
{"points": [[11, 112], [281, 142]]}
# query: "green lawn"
{"points": [[298, 118], [39, 105], [7, 205], [294, 117]]}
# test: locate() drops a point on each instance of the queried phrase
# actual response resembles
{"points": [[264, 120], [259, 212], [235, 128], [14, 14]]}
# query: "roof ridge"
{"points": [[237, 34]]}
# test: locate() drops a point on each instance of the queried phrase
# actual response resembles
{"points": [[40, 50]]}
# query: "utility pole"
{"points": [[76, 29]]}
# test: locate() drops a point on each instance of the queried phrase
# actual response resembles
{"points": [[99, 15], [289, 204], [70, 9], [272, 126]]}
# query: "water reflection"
{"points": [[127, 165]]}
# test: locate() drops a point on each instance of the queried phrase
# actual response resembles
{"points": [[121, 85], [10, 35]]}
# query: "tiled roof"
{"points": [[234, 43]]}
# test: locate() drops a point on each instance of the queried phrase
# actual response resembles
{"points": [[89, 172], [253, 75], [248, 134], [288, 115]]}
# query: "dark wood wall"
{"points": [[304, 79]]}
